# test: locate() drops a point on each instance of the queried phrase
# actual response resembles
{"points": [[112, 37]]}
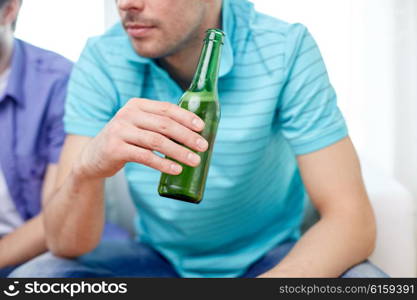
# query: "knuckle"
{"points": [[123, 113], [166, 107], [163, 165], [144, 156], [180, 153], [164, 125], [133, 101], [191, 139], [155, 141], [185, 154], [151, 160]]}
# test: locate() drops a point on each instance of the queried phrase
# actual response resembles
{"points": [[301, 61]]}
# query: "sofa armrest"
{"points": [[395, 212]]}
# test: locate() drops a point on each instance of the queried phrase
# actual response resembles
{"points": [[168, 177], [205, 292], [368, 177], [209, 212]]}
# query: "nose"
{"points": [[126, 5]]}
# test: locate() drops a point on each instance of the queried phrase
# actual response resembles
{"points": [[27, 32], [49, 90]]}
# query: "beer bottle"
{"points": [[202, 99]]}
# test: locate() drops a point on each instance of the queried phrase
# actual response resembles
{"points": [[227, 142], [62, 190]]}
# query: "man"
{"points": [[281, 136], [32, 91]]}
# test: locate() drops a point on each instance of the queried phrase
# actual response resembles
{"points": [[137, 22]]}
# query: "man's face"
{"points": [[9, 10], [159, 28]]}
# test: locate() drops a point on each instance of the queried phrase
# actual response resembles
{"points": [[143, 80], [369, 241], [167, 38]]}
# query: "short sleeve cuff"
{"points": [[315, 143], [83, 128]]}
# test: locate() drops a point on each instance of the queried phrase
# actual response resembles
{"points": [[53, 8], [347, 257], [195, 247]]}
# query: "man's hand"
{"points": [[74, 216], [140, 127], [23, 244]]}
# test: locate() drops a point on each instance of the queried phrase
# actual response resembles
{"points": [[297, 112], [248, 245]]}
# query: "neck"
{"points": [[182, 64], [6, 49]]}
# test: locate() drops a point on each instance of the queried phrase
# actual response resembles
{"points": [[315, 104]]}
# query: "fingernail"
{"points": [[193, 158], [202, 144], [176, 168], [198, 123]]}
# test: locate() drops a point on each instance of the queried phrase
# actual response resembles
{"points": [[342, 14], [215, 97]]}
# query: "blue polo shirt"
{"points": [[276, 102]]}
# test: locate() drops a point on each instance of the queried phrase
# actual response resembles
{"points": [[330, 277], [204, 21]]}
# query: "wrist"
{"points": [[82, 173]]}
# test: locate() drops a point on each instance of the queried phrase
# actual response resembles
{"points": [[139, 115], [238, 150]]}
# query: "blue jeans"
{"points": [[126, 258], [4, 272], [111, 233]]}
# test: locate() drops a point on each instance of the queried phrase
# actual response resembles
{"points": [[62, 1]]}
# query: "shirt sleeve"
{"points": [[307, 111], [55, 126], [92, 97]]}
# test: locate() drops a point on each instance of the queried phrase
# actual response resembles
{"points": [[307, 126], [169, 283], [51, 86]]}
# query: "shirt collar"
{"points": [[227, 55], [228, 27], [14, 88]]}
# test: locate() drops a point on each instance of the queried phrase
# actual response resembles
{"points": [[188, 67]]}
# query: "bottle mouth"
{"points": [[215, 34]]}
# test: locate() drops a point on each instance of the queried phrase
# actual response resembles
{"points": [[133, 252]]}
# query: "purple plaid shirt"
{"points": [[31, 129]]}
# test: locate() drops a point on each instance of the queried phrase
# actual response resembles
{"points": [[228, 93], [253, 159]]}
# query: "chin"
{"points": [[150, 50]]}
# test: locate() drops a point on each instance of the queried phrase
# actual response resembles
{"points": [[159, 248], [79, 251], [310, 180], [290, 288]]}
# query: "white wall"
{"points": [[373, 62], [111, 14], [62, 26], [406, 93]]}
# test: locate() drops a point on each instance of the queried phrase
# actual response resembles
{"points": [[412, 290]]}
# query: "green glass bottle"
{"points": [[203, 100]]}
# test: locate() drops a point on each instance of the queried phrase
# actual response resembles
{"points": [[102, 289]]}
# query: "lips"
{"points": [[138, 31]]}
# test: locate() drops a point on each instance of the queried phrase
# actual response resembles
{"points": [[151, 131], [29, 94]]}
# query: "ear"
{"points": [[10, 12]]}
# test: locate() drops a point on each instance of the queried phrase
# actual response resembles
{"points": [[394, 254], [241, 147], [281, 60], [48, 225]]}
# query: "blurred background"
{"points": [[370, 49]]}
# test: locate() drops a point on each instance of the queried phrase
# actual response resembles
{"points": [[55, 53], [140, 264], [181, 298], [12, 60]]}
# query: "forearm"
{"points": [[74, 217], [328, 249], [23, 244]]}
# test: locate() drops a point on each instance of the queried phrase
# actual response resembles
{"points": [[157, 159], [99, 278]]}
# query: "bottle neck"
{"points": [[207, 73]]}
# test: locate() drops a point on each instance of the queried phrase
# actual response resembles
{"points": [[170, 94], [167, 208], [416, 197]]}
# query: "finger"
{"points": [[182, 116], [148, 158], [171, 129], [157, 142]]}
